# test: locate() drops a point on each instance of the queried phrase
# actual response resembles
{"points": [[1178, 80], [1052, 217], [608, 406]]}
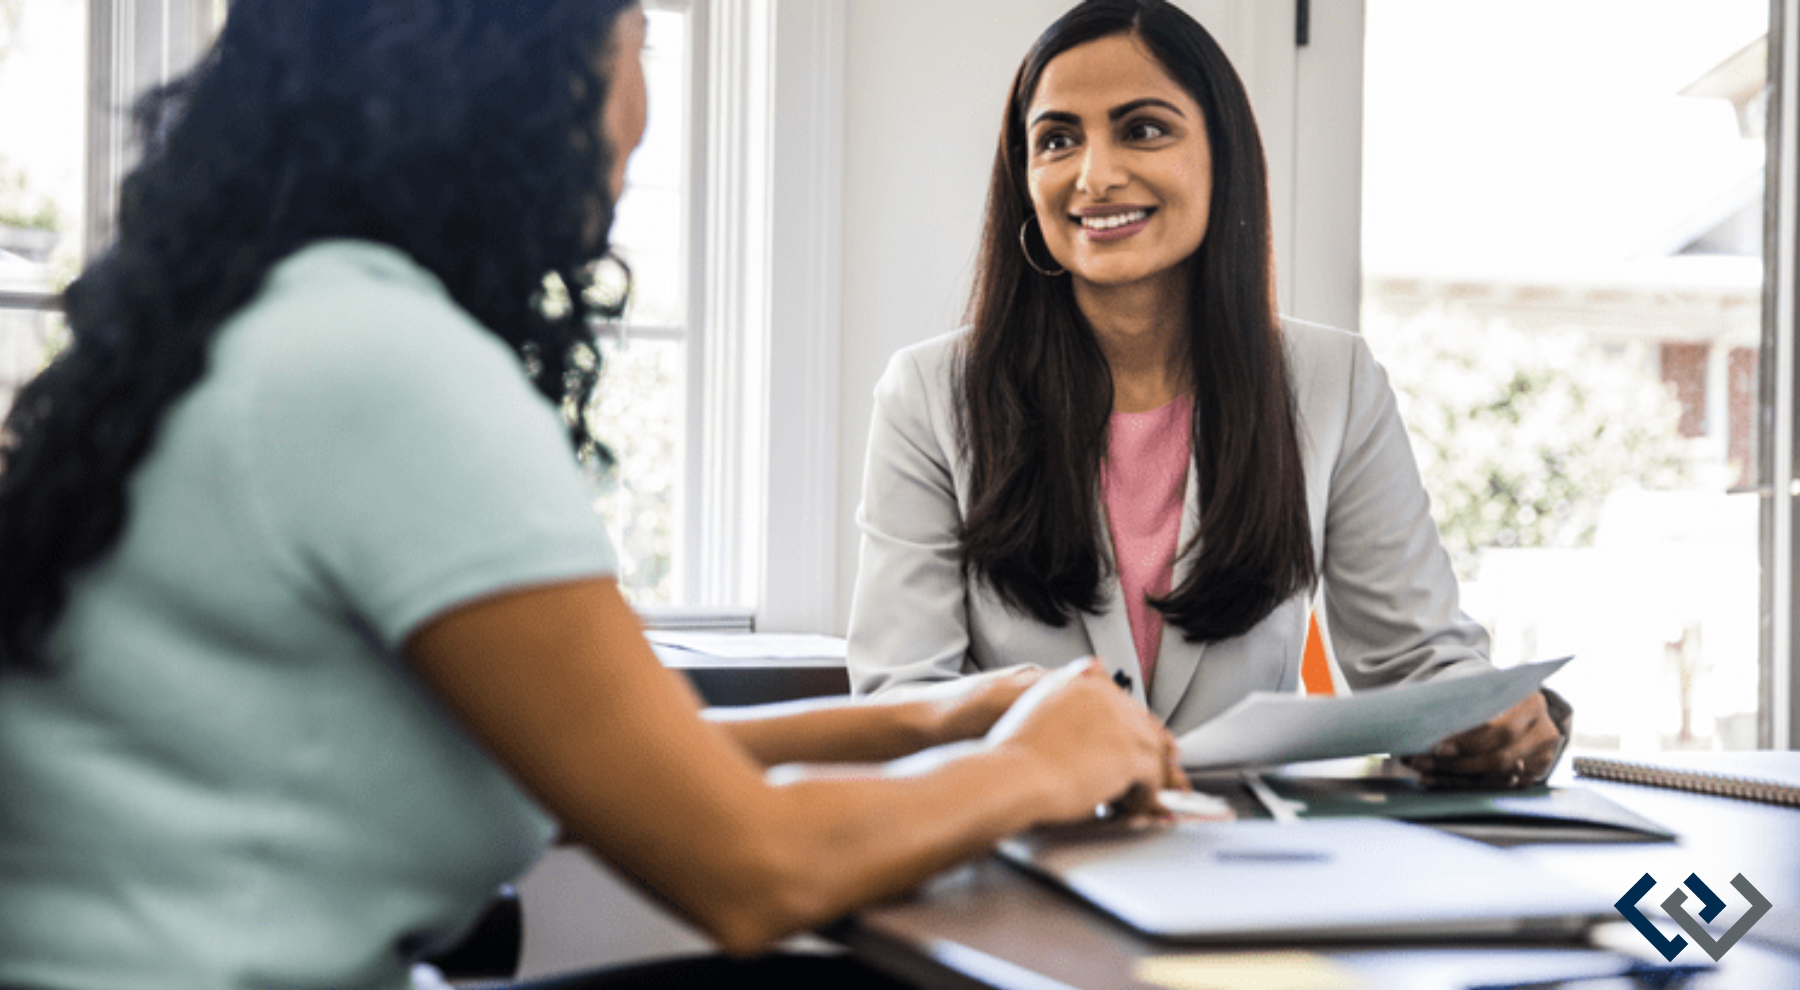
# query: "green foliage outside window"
{"points": [[1521, 436], [21, 206], [637, 413], [9, 24]]}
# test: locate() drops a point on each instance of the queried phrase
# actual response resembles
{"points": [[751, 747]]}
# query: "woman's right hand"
{"points": [[1097, 745]]}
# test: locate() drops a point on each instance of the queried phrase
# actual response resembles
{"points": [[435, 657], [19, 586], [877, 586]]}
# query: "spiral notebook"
{"points": [[1767, 776]]}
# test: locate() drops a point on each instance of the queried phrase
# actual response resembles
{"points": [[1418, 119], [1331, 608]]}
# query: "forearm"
{"points": [[836, 842], [609, 740], [899, 824], [832, 731], [839, 731]]}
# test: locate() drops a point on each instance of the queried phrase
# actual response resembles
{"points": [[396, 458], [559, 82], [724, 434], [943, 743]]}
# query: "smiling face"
{"points": [[1118, 166]]}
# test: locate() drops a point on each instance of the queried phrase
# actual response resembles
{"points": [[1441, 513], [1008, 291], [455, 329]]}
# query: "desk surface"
{"points": [[750, 679], [988, 925]]}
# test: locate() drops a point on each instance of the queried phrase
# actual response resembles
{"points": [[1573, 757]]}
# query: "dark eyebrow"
{"points": [[1122, 110], [1059, 116], [1135, 105]]}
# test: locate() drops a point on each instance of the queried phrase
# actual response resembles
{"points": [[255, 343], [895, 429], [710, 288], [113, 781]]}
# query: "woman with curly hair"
{"points": [[1128, 452], [308, 635]]}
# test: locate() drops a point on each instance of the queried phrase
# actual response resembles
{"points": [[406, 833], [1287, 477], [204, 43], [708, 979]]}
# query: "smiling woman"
{"points": [[1120, 177], [1128, 452]]}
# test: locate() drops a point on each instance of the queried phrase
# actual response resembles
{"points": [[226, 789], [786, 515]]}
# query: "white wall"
{"points": [[925, 85]]}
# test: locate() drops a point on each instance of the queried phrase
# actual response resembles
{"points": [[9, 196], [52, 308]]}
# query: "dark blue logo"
{"points": [[1711, 906]]}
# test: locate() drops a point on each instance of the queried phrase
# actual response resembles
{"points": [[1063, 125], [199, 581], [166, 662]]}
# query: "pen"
{"points": [[1279, 808]]}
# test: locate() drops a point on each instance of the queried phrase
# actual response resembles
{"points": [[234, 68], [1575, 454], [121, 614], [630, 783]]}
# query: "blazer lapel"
{"points": [[1177, 660], [1109, 630]]}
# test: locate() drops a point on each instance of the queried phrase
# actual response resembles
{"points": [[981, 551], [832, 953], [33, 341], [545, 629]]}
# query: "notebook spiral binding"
{"points": [[1702, 781]]}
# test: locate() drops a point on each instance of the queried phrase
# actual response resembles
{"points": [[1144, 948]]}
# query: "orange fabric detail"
{"points": [[1315, 666]]}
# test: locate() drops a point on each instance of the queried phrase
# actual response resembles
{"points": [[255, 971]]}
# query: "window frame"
{"points": [[1779, 724], [132, 46], [763, 372]]}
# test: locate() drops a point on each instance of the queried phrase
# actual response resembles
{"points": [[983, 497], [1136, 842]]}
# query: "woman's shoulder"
{"points": [[362, 285], [1305, 338], [923, 370], [934, 354], [1321, 356], [338, 315], [1335, 376]]}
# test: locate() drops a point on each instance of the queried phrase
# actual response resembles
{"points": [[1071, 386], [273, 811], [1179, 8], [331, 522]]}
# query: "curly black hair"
{"points": [[466, 133]]}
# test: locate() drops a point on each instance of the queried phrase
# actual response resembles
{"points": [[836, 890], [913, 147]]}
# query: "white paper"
{"points": [[752, 646], [1266, 728]]}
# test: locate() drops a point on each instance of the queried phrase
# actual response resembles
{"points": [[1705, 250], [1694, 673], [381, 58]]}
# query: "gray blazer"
{"points": [[1389, 595]]}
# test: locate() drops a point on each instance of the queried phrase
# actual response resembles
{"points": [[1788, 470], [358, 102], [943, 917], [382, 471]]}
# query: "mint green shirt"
{"points": [[234, 780]]}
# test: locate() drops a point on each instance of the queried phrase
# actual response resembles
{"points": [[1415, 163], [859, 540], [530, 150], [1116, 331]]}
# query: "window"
{"points": [[642, 410], [59, 158], [763, 360], [69, 69], [1733, 386], [42, 188], [1563, 271], [735, 352], [722, 367]]}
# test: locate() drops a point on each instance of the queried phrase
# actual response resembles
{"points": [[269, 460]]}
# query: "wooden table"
{"points": [[989, 925]]}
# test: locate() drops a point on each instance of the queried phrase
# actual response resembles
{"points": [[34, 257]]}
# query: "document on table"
{"points": [[1268, 728]]}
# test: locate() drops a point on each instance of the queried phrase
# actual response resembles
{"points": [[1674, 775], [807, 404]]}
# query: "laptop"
{"points": [[1311, 881]]}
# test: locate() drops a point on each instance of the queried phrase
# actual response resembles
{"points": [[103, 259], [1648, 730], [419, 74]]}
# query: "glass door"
{"points": [[1563, 273]]}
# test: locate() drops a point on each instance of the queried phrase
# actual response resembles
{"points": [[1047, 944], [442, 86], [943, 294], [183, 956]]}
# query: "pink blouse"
{"points": [[1143, 482]]}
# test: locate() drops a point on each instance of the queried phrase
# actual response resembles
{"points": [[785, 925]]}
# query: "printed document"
{"points": [[1268, 728]]}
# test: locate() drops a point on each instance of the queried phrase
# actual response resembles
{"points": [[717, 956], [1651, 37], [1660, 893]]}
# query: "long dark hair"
{"points": [[1035, 394], [466, 133]]}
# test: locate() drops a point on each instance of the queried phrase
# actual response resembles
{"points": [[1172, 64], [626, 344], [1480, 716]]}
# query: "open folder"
{"points": [[1266, 728], [1510, 817]]}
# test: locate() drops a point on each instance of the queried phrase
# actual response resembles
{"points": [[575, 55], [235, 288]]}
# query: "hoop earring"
{"points": [[1025, 249]]}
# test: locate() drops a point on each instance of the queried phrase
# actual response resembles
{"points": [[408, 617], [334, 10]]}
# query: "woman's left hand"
{"points": [[1515, 749]]}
